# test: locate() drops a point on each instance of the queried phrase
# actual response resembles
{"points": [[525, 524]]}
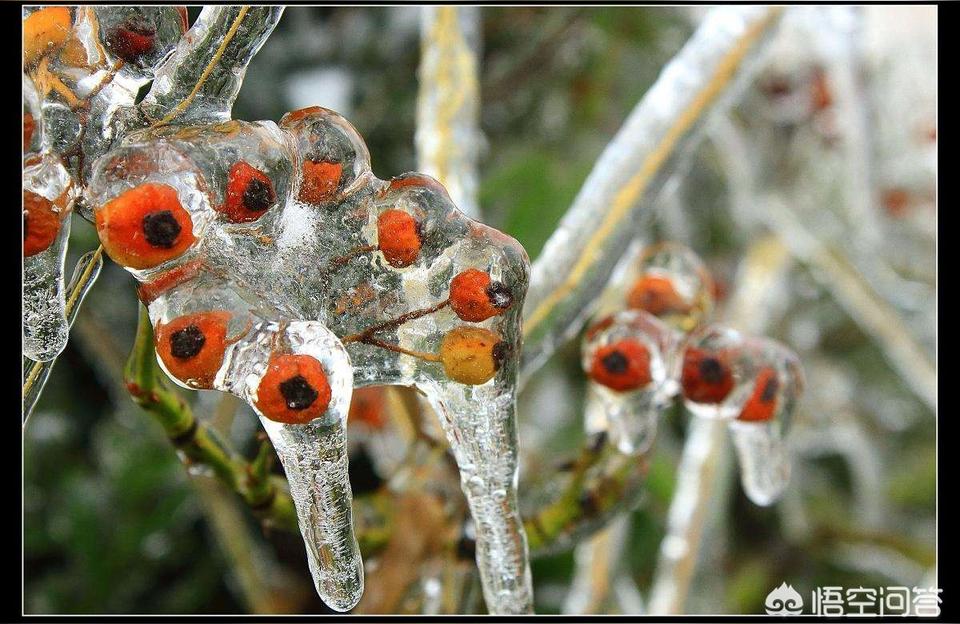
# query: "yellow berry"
{"points": [[472, 355]]}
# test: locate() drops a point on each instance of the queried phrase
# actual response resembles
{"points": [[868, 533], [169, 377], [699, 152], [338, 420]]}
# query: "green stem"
{"points": [[603, 482]]}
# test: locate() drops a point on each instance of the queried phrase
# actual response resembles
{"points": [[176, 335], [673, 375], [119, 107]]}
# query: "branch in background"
{"points": [[764, 266], [578, 259], [201, 79], [35, 374], [833, 270], [448, 101], [602, 483]]}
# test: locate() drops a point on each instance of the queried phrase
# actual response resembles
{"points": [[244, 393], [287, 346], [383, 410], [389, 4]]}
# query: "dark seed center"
{"points": [[187, 342], [258, 196], [499, 295], [298, 393], [500, 352], [161, 229], [711, 370], [770, 390], [615, 363]]}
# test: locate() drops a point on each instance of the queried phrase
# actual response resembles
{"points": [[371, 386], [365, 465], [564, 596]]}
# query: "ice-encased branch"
{"points": [[198, 443], [448, 101], [766, 262], [201, 79], [35, 374], [580, 256]]}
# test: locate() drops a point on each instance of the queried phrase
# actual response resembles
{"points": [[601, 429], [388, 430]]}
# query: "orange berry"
{"points": [[763, 402], [472, 355], [131, 41], [474, 297], [41, 223], [706, 377], [294, 389], [657, 296], [192, 346], [28, 127], [368, 406], [399, 237], [320, 181], [145, 226], [623, 365], [249, 193], [45, 31]]}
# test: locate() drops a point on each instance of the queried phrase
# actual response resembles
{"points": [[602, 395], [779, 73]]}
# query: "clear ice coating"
{"points": [[46, 222], [629, 359], [759, 429], [258, 242], [83, 67]]}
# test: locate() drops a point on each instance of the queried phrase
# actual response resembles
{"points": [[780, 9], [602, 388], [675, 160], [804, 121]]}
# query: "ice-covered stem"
{"points": [[696, 476], [197, 443], [579, 258], [764, 266], [599, 574], [602, 483], [201, 79], [448, 101], [35, 374]]}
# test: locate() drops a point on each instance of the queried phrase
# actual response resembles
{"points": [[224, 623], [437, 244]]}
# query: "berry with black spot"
{"points": [[706, 376], [472, 355], [398, 236], [250, 193], [623, 365], [475, 297], [41, 223], [145, 226], [192, 347], [762, 404], [294, 390]]}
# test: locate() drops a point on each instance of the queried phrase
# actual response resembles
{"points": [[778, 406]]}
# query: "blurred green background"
{"points": [[113, 524]]}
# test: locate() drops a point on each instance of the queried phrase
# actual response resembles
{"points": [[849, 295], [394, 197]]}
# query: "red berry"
{"points": [[28, 127], [474, 297], [320, 182], [706, 377], [762, 404], [622, 366], [249, 193], [132, 41], [399, 237], [145, 226], [294, 389], [41, 223], [369, 407], [192, 346]]}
